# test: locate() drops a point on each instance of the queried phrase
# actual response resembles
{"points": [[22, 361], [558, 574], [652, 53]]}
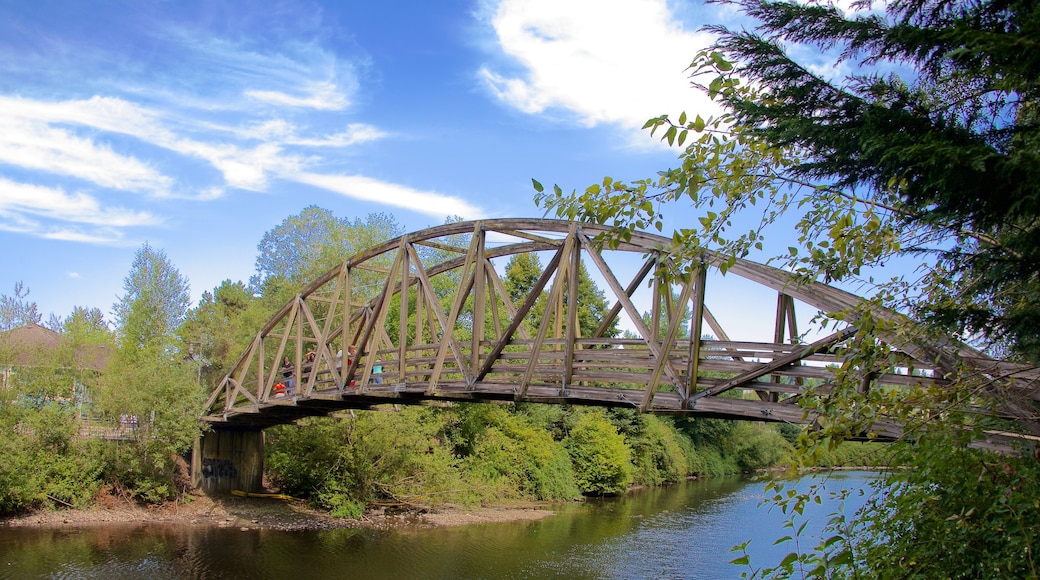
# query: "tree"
{"points": [[307, 244], [18, 310], [523, 271], [86, 326], [940, 162], [154, 304], [220, 327], [150, 380], [952, 150]]}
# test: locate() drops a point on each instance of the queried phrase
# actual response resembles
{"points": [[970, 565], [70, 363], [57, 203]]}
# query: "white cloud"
{"points": [[73, 275], [282, 131], [102, 236], [616, 62], [323, 96], [56, 204], [368, 189], [29, 139], [356, 133]]}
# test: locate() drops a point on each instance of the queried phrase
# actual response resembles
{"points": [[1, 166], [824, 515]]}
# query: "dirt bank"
{"points": [[254, 513]]}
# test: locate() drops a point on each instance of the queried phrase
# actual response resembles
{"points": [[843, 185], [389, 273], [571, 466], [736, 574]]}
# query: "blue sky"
{"points": [[198, 126]]}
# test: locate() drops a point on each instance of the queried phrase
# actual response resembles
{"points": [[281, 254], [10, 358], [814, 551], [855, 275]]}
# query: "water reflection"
{"points": [[684, 531]]}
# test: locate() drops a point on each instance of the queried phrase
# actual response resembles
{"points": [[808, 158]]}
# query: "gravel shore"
{"points": [[277, 514]]}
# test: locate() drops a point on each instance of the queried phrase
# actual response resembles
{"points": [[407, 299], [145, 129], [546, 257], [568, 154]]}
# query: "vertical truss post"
{"points": [[572, 315], [696, 329], [479, 300], [402, 322]]}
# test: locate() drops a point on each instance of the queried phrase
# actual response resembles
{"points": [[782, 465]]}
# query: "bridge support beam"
{"points": [[223, 460]]}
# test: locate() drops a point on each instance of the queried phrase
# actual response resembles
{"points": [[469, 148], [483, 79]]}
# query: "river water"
{"points": [[681, 531]]}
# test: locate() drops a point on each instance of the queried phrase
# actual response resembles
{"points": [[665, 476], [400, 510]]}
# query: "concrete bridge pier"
{"points": [[225, 459]]}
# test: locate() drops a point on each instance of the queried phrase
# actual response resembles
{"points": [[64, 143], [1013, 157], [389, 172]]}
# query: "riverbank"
{"points": [[277, 514]]}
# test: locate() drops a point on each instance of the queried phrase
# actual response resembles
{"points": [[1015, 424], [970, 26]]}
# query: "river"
{"points": [[681, 531]]}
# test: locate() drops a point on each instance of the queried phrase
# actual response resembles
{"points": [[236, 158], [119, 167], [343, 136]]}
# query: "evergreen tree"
{"points": [[220, 327], [154, 304], [952, 145]]}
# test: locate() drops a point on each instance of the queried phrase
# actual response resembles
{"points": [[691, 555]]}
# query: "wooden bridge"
{"points": [[433, 320]]}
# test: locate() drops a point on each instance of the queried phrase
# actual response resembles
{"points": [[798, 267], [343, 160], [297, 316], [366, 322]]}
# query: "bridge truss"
{"points": [[432, 319]]}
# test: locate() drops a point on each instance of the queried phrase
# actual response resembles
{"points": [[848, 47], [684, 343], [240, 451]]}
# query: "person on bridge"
{"points": [[287, 376], [351, 353]]}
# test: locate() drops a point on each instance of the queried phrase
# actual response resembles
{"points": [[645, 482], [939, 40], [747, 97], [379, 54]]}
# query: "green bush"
{"points": [[756, 446], [854, 454], [660, 454], [601, 458], [512, 454], [708, 460], [392, 456]]}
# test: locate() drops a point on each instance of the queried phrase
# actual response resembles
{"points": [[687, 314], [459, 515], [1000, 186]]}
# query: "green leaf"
{"points": [[537, 186], [741, 561], [714, 88], [670, 135]]}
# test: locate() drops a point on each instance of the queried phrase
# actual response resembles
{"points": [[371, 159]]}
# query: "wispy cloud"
{"points": [[616, 62], [200, 115], [282, 131], [323, 96], [367, 189], [31, 140], [52, 213], [56, 204]]}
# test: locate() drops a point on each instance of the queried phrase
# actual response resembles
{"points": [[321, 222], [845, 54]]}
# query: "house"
{"points": [[41, 349]]}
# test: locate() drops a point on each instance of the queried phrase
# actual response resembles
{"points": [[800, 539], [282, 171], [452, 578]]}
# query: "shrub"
{"points": [[601, 458], [660, 454], [518, 457], [756, 446]]}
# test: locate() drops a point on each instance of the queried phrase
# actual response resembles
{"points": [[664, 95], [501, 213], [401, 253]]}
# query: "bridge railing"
{"points": [[432, 317]]}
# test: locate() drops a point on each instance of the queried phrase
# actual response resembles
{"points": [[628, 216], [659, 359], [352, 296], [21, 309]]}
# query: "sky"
{"points": [[197, 126]]}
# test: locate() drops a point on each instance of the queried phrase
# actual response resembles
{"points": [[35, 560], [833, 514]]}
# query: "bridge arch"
{"points": [[432, 320]]}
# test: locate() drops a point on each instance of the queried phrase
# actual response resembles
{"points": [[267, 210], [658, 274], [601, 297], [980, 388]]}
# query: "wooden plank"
{"points": [[572, 313], [345, 338], [434, 311], [376, 321], [778, 363], [402, 319], [479, 300]]}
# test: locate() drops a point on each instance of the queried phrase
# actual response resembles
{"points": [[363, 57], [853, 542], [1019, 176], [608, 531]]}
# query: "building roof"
{"points": [[31, 344]]}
